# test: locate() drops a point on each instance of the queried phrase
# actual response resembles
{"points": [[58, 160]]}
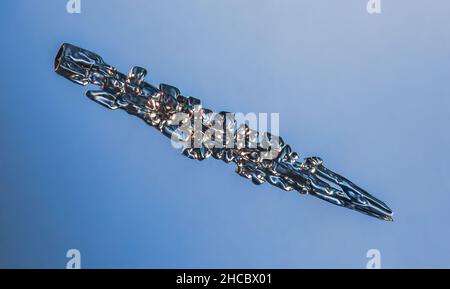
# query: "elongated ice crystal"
{"points": [[160, 107]]}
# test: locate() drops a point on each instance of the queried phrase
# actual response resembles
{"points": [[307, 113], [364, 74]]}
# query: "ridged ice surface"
{"points": [[262, 162]]}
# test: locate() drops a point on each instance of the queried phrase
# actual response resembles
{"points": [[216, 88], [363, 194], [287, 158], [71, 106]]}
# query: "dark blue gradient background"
{"points": [[370, 94]]}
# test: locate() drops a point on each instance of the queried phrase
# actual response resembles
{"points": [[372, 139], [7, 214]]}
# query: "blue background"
{"points": [[370, 94]]}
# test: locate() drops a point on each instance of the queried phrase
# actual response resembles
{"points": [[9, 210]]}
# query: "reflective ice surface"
{"points": [[157, 107]]}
